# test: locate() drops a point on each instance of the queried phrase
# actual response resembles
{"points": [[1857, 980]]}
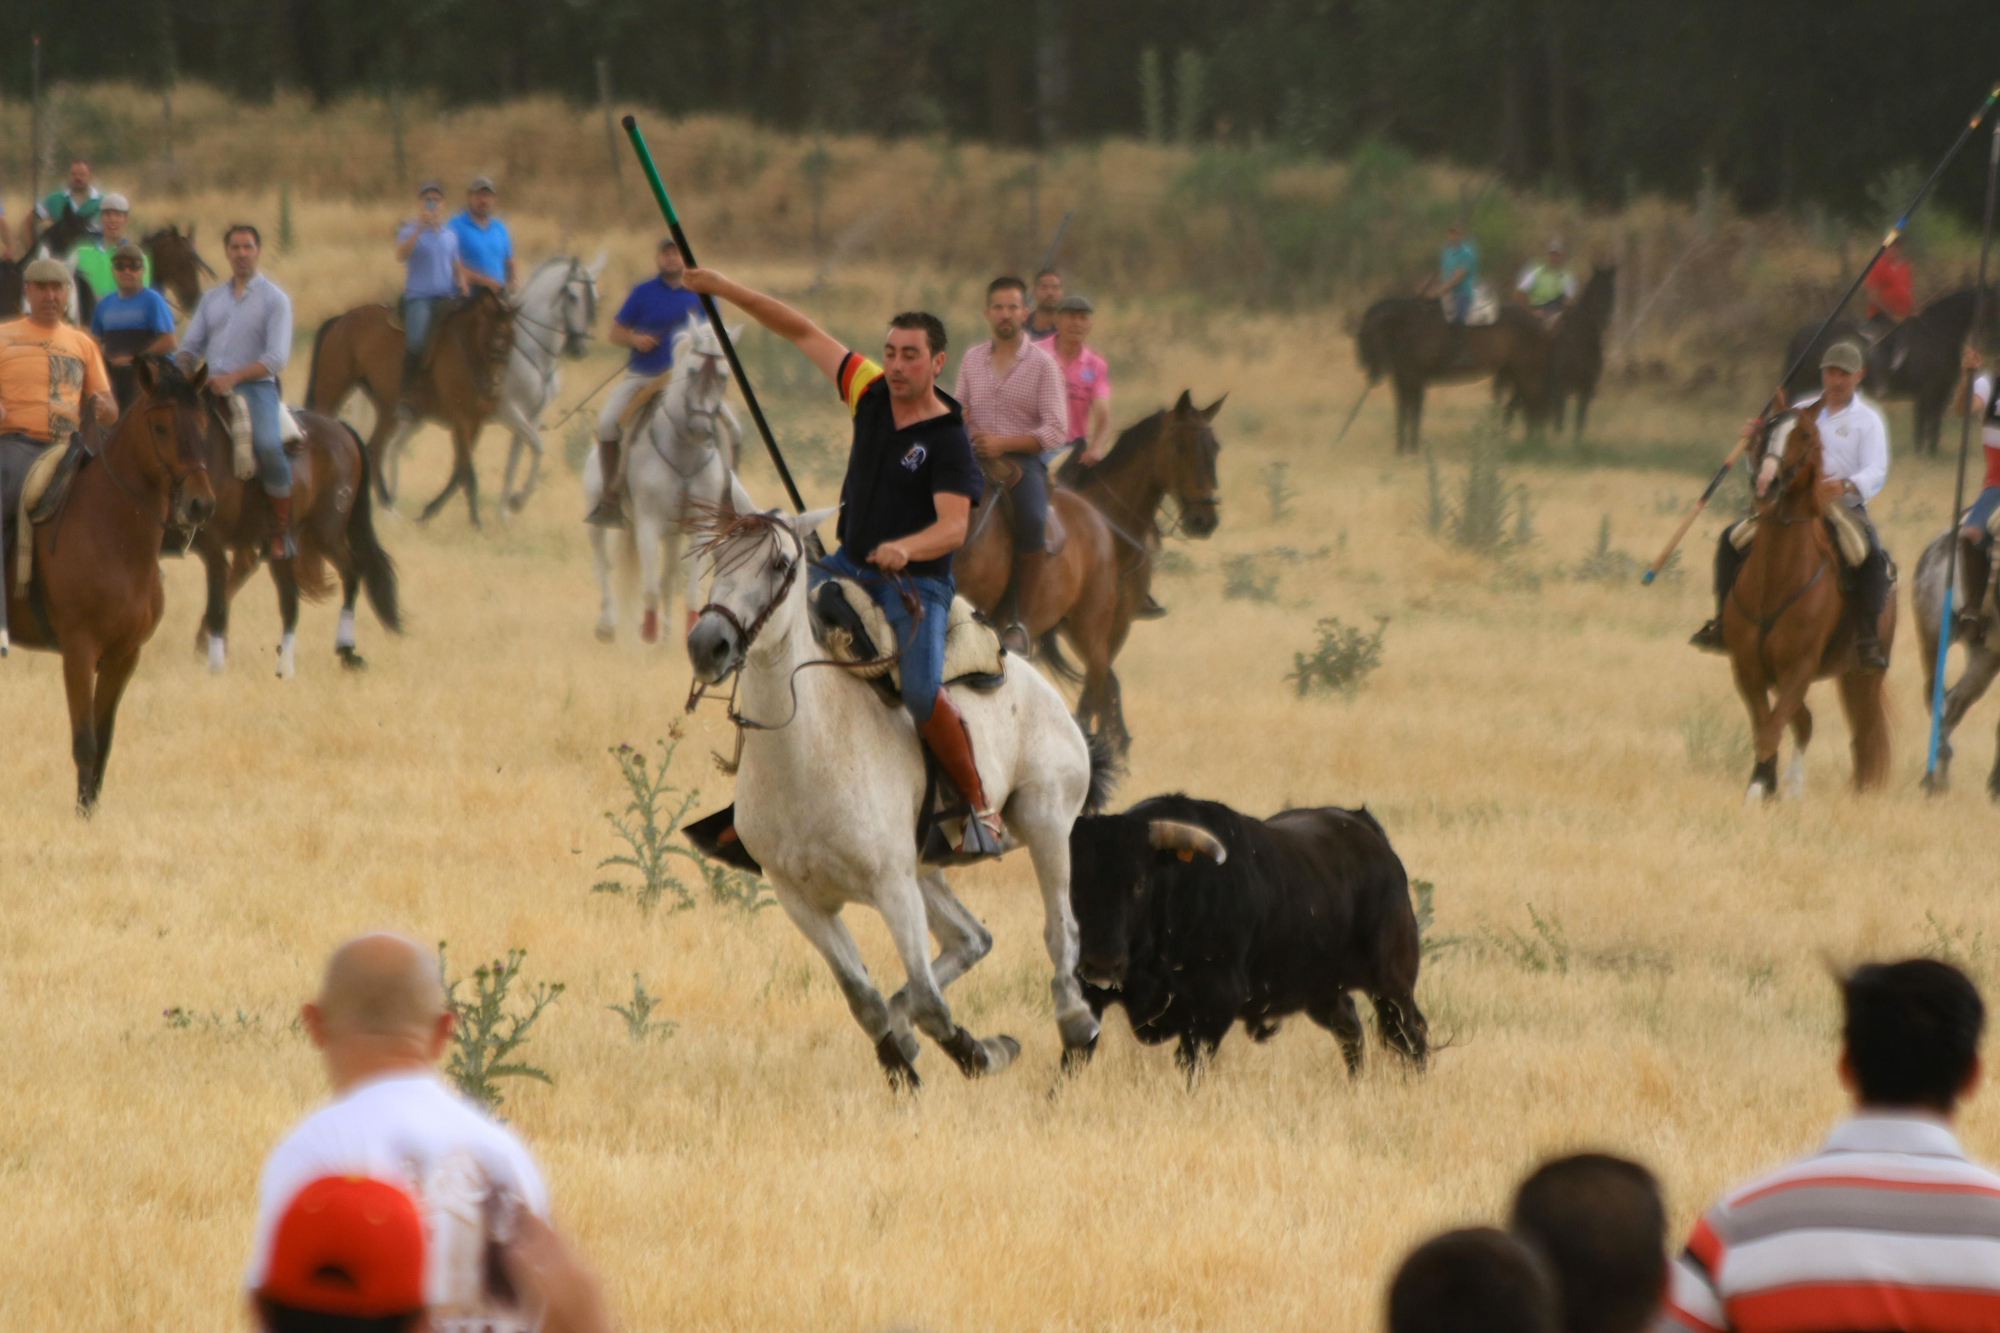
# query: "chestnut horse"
{"points": [[459, 385], [335, 525], [1786, 625], [96, 595], [1091, 590], [177, 268]]}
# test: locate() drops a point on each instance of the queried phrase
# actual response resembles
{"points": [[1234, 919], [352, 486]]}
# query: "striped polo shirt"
{"points": [[1888, 1227]]}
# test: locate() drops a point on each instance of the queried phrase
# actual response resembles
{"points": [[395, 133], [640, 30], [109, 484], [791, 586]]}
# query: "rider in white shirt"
{"points": [[1854, 461]]}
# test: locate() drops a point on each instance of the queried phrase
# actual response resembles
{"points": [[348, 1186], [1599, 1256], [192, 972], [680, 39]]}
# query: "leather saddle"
{"points": [[1001, 474]]}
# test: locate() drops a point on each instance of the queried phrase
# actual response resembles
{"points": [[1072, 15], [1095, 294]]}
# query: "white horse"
{"points": [[552, 319], [830, 785], [681, 451]]}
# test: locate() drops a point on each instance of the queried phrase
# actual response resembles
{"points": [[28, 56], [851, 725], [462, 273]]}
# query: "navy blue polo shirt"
{"points": [[892, 472]]}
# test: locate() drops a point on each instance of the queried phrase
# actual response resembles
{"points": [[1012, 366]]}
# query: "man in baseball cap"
{"points": [[348, 1252], [428, 250], [93, 257], [485, 249], [1854, 464]]}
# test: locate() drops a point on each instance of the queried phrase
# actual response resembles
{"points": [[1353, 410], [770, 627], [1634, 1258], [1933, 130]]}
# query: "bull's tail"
{"points": [[371, 562], [312, 370], [1104, 772]]}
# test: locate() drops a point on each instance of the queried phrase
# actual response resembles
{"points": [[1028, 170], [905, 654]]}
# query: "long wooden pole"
{"points": [[1890, 238], [631, 124], [1958, 487]]}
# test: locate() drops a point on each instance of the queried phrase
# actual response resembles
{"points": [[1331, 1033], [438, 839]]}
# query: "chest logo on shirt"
{"points": [[914, 459]]}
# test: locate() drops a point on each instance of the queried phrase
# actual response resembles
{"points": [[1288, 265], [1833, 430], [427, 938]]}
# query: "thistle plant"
{"points": [[487, 1032]]}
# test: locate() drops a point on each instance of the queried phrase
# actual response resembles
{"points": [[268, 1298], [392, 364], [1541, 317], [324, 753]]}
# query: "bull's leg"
{"points": [[828, 934], [1199, 1040], [1337, 1014], [901, 904]]}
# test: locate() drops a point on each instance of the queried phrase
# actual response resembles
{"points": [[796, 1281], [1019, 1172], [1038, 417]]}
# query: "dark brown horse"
{"points": [[96, 595], [335, 526], [177, 268], [1786, 625], [1576, 347], [1407, 339], [459, 385], [55, 240], [1092, 588]]}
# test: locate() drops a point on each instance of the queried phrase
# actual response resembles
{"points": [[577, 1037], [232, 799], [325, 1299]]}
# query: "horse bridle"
{"points": [[576, 270], [177, 476], [748, 633]]}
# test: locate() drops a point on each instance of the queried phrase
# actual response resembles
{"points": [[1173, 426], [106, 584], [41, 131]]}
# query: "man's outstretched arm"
{"points": [[821, 348]]}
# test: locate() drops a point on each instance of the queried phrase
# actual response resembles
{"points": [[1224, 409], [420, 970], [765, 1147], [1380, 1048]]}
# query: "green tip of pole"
{"points": [[632, 122]]}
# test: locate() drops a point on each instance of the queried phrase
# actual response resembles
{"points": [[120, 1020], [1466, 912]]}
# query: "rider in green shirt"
{"points": [[77, 193], [93, 258], [1549, 285]]}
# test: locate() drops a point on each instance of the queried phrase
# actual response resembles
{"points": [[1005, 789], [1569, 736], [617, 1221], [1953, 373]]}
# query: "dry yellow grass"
{"points": [[1530, 739]]}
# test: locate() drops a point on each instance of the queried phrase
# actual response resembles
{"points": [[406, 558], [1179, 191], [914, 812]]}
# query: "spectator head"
{"points": [[128, 268], [1048, 290], [112, 211], [1456, 231], [1910, 1039], [668, 258], [244, 245], [1073, 315], [479, 197], [430, 194], [1006, 305], [1556, 247], [380, 1007], [1599, 1224], [47, 288], [347, 1257], [913, 355], [1474, 1281], [79, 175]]}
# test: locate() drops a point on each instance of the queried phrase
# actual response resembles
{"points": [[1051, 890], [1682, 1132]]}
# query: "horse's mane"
{"points": [[712, 527], [1123, 450]]}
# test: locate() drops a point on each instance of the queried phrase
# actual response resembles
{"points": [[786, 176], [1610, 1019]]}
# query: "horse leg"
{"points": [[1756, 692], [600, 558], [343, 634], [113, 674], [1114, 702], [962, 941], [1802, 734], [211, 635], [463, 453], [1791, 696], [385, 445], [1981, 665], [828, 933], [1043, 823], [283, 574], [649, 533], [79, 685], [450, 488], [901, 904]]}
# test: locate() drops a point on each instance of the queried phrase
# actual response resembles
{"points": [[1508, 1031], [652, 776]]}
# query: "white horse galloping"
{"points": [[831, 783], [680, 452]]}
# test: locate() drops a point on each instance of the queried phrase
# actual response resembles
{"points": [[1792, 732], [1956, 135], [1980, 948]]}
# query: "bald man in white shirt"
{"points": [[1854, 462]]}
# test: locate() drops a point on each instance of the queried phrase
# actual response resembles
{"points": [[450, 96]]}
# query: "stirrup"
{"points": [[978, 839], [1709, 638], [1870, 653]]}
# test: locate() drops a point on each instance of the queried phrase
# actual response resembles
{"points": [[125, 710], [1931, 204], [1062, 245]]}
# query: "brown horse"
{"points": [[96, 595], [335, 525], [459, 385], [177, 268], [1786, 625], [1407, 339], [1091, 590]]}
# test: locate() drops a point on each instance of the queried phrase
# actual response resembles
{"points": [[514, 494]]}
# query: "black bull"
{"points": [[1194, 917]]}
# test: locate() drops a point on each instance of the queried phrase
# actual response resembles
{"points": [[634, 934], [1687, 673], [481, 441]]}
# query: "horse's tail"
{"points": [[1052, 653], [1867, 709], [371, 562], [1104, 772], [1369, 346], [312, 371]]}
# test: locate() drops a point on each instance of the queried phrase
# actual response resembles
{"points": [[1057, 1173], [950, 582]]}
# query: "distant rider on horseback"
{"points": [[1855, 463], [646, 324], [904, 506], [433, 276], [1976, 396], [46, 367], [1017, 411], [1550, 285], [243, 328]]}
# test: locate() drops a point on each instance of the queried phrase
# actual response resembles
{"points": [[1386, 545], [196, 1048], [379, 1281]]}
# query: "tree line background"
{"points": [[1780, 103]]}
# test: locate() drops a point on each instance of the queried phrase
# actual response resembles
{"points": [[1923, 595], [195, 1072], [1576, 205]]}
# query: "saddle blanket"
{"points": [[1848, 535], [31, 489], [971, 646]]}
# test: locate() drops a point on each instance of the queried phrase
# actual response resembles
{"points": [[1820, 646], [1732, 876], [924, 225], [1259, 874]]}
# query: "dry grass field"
{"points": [[1625, 958]]}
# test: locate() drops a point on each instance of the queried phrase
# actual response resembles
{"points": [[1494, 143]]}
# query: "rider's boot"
{"points": [[610, 510], [282, 546], [1871, 593], [1027, 581], [945, 732], [1727, 561], [406, 400], [1149, 609]]}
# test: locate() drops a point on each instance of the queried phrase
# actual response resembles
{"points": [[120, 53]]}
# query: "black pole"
{"points": [[1767, 414], [631, 124], [1958, 487]]}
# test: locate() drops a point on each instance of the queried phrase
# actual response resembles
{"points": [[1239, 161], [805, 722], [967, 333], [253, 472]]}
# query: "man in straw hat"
{"points": [[1854, 463]]}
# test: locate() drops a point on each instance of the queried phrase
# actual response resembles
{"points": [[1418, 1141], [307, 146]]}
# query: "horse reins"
{"points": [[179, 478]]}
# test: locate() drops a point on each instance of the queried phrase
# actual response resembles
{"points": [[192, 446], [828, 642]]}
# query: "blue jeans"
{"points": [[273, 468], [1031, 503], [1982, 509], [921, 641], [1461, 304], [419, 314]]}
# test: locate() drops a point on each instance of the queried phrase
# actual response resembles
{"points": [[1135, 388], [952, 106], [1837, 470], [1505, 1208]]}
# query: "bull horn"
{"points": [[1171, 835]]}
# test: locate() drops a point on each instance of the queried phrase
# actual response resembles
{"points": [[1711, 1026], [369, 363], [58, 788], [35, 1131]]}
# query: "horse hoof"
{"points": [[1795, 780], [1000, 1052], [605, 633], [350, 659], [1755, 796], [516, 503], [901, 1073]]}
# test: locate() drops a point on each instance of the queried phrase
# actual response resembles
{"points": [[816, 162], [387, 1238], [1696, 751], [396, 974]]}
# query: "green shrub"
{"points": [[1244, 580], [487, 1032], [1343, 658]]}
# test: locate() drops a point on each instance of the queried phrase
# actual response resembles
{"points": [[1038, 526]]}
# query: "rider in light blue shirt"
{"points": [[429, 251], [485, 248], [1458, 271]]}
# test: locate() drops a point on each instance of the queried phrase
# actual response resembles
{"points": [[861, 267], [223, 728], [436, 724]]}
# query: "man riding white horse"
{"points": [[910, 486], [1855, 463]]}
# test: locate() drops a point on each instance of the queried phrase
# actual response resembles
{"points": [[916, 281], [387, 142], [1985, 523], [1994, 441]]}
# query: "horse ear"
{"points": [[735, 331], [145, 372], [198, 378], [595, 268], [807, 523], [1778, 403], [1208, 413], [739, 501], [1184, 403]]}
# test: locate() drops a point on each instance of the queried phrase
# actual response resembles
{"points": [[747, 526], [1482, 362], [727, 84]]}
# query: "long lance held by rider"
{"points": [[1889, 239], [714, 317], [1953, 548]]}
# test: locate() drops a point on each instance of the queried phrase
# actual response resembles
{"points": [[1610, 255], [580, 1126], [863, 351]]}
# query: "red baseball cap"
{"points": [[348, 1245]]}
